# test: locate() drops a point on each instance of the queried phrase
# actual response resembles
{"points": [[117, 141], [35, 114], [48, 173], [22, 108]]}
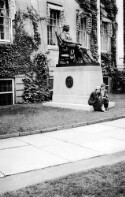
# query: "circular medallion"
{"points": [[69, 82]]}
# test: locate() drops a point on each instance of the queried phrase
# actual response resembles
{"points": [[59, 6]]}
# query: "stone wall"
{"points": [[19, 87]]}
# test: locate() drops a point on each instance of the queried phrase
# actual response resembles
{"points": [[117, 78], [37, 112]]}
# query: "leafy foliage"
{"points": [[7, 64], [110, 8], [16, 58], [90, 7], [109, 60], [107, 68], [118, 81], [117, 76], [36, 86]]}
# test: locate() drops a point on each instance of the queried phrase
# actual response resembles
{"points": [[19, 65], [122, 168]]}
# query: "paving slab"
{"points": [[107, 146], [39, 140], [97, 128], [80, 138], [22, 154], [14, 182], [120, 123], [72, 152], [76, 135], [10, 143], [81, 135], [22, 159], [117, 133]]}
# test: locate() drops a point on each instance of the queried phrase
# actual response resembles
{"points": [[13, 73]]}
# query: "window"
{"points": [[82, 36], [55, 15], [5, 21], [105, 38], [6, 92]]}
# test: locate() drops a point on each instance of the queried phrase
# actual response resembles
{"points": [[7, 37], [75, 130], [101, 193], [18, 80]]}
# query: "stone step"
{"points": [[74, 106]]}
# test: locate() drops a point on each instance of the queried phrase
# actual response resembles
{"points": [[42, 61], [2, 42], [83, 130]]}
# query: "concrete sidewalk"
{"points": [[60, 148]]}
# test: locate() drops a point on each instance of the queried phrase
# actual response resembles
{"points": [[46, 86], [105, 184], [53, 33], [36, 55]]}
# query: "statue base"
{"points": [[74, 106], [73, 85]]}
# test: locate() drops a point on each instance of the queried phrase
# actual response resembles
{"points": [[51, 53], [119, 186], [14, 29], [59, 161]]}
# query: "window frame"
{"points": [[9, 92], [56, 8], [83, 31], [108, 49], [10, 25]]}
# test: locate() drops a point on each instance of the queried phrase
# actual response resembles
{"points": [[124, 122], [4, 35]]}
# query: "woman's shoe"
{"points": [[106, 109]]}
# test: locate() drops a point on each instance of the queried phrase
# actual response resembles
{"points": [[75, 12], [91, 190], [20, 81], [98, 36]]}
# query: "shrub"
{"points": [[36, 81]]}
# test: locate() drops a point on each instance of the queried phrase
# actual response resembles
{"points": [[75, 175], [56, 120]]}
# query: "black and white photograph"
{"points": [[62, 98]]}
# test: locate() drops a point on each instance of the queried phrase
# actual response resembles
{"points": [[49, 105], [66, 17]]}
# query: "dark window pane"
{"points": [[1, 4], [6, 99], [5, 86], [1, 20]]}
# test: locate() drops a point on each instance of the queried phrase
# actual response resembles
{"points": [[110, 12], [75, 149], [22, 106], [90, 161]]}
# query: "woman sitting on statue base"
{"points": [[99, 99]]}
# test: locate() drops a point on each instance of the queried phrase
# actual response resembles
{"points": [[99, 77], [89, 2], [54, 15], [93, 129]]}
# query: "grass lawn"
{"points": [[29, 117], [106, 181]]}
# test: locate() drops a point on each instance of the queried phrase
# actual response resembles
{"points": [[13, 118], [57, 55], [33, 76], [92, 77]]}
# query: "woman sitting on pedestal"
{"points": [[99, 99]]}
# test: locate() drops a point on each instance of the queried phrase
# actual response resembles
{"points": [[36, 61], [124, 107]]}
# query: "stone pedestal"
{"points": [[73, 85]]}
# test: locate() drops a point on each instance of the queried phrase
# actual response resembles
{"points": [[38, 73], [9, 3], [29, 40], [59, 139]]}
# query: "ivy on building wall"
{"points": [[90, 10], [110, 8], [108, 60], [36, 83], [17, 58], [7, 64], [109, 64]]}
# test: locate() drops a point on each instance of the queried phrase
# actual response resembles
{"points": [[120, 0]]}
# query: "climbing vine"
{"points": [[90, 10], [108, 60], [109, 66], [110, 8], [17, 58], [36, 83]]}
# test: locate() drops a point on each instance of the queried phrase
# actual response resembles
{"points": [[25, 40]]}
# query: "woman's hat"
{"points": [[98, 87], [102, 85]]}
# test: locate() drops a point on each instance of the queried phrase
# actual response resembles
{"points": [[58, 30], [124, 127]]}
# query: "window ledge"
{"points": [[4, 41], [107, 52], [105, 19], [53, 48]]}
